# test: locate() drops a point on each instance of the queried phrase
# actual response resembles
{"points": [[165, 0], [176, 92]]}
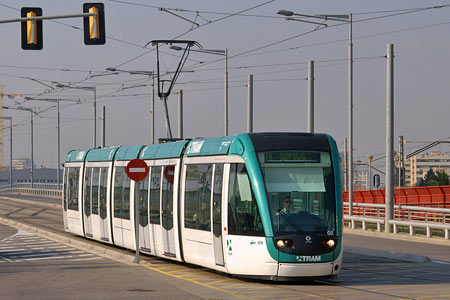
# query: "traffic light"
{"points": [[31, 30], [94, 26]]}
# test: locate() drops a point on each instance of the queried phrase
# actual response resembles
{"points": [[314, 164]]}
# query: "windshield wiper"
{"points": [[281, 212]]}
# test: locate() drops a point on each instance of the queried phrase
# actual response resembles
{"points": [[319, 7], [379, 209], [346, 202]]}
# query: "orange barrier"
{"points": [[436, 196]]}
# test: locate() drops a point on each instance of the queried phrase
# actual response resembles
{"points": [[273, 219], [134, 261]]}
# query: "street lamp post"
{"points": [[11, 150], [31, 125], [223, 53], [86, 88], [347, 19]]}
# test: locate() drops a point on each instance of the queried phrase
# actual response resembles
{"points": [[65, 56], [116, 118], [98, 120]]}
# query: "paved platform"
{"points": [[397, 246]]}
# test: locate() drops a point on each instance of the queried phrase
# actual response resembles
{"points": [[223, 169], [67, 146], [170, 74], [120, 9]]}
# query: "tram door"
{"points": [[217, 214], [103, 210], [65, 196], [87, 202], [167, 211], [144, 231]]}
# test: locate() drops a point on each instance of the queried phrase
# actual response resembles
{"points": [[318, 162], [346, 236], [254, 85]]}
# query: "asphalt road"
{"points": [[51, 264]]}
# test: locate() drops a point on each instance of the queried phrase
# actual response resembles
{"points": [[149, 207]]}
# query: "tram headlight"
{"points": [[328, 243], [280, 243], [285, 243], [331, 243]]}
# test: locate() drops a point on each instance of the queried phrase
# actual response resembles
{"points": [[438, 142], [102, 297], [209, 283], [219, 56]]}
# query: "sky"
{"points": [[274, 50]]}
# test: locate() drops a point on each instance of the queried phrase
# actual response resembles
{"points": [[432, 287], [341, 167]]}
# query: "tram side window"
{"points": [[121, 194], [217, 200], [65, 188], [143, 202], [73, 180], [103, 190], [243, 214], [155, 188], [87, 191], [197, 200], [167, 197], [95, 183]]}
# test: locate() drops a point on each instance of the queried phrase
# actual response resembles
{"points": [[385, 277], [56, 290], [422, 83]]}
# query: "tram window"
{"points": [[65, 188], [74, 177], [155, 188], [167, 197], [300, 191], [217, 200], [103, 190], [143, 202], [121, 194], [95, 183], [87, 191], [197, 210], [243, 214]]}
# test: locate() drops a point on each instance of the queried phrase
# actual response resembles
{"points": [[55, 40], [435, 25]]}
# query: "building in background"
{"points": [[21, 164], [417, 166]]}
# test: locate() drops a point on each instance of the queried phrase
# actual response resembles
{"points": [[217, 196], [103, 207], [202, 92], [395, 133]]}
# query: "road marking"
{"points": [[441, 262]]}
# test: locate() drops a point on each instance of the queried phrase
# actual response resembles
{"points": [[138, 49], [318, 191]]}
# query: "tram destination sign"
{"points": [[137, 169], [292, 156]]}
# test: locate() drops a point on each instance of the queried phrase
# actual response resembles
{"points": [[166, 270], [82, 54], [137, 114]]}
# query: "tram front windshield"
{"points": [[300, 190]]}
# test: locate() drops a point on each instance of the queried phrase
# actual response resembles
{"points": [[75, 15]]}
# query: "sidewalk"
{"points": [[398, 246]]}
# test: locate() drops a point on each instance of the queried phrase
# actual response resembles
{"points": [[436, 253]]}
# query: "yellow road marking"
{"points": [[197, 282]]}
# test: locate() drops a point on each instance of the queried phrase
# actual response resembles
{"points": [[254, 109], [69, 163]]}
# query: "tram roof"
{"points": [[128, 152], [210, 146], [76, 156], [165, 150], [103, 154]]}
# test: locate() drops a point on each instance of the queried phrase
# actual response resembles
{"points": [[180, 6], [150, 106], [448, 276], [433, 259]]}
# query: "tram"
{"points": [[260, 205]]}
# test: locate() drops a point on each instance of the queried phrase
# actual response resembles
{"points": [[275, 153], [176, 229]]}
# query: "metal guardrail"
{"points": [[410, 216], [45, 186], [52, 193]]}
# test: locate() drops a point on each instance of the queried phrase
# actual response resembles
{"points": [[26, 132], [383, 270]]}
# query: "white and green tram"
{"points": [[264, 205]]}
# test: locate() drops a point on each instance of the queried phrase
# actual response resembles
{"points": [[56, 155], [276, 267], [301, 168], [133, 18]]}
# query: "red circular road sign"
{"points": [[137, 169], [169, 173]]}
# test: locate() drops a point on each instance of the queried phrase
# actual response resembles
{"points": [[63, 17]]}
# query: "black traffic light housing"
{"points": [[94, 26], [31, 30]]}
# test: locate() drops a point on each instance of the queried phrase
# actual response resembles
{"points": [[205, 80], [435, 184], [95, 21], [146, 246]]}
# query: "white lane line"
{"points": [[37, 255], [441, 262], [42, 258], [6, 259], [89, 254], [81, 259]]}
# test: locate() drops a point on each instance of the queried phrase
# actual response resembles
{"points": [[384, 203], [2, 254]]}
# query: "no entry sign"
{"points": [[137, 169]]}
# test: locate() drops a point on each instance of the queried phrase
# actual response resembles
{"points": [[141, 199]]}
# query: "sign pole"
{"points": [[137, 170], [136, 208]]}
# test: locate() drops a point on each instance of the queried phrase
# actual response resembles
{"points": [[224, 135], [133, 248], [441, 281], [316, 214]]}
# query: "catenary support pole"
{"points": [[345, 165], [58, 180], [32, 144], [310, 117], [350, 120], [103, 126], [226, 94], [10, 153], [250, 104], [94, 144], [180, 114], [389, 202]]}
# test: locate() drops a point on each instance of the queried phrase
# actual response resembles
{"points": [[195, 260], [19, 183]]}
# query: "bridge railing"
{"points": [[405, 216], [45, 190]]}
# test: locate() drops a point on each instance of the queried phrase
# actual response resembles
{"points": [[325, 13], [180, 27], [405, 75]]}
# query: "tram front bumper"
{"points": [[305, 270]]}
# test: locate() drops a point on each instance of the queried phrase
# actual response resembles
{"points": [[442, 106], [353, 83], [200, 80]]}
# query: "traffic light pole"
{"points": [[39, 18]]}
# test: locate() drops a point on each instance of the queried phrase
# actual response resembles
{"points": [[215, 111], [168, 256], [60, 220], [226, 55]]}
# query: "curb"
{"points": [[399, 236], [387, 254]]}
